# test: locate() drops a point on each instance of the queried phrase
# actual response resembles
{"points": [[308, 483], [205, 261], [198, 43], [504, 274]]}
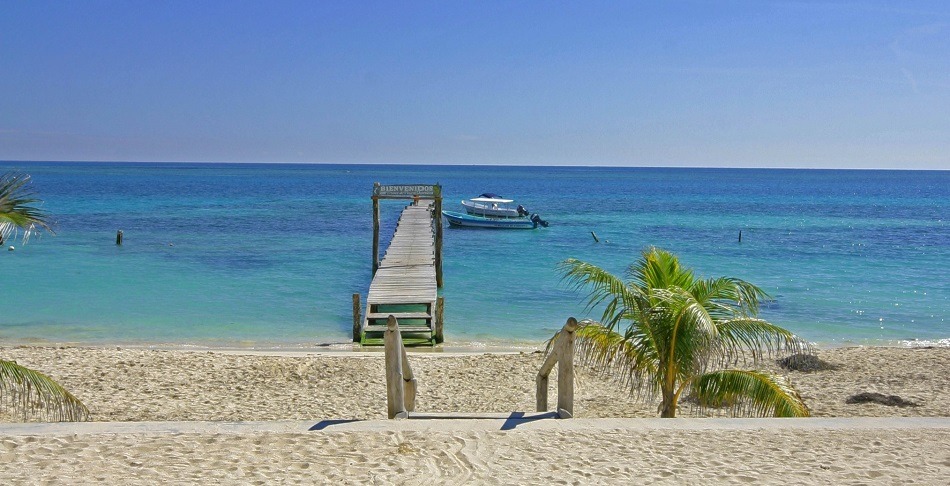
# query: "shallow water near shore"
{"points": [[268, 256]]}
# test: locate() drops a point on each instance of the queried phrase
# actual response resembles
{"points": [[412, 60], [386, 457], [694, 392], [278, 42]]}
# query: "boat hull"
{"points": [[472, 221]]}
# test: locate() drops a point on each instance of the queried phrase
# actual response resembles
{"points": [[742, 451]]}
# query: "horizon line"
{"points": [[447, 164]]}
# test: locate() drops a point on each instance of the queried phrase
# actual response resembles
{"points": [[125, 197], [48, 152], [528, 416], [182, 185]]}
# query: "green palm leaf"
{"points": [[630, 357], [32, 393], [755, 338], [17, 207], [752, 393], [606, 289]]}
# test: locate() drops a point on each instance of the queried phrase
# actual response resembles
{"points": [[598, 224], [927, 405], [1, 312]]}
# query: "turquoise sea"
{"points": [[268, 256]]}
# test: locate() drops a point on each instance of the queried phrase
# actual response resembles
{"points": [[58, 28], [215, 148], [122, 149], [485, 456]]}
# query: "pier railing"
{"points": [[560, 352], [400, 384]]}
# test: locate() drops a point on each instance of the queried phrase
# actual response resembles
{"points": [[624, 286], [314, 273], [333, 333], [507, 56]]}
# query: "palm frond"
{"points": [[687, 309], [17, 207], [749, 296], [749, 393], [30, 392], [659, 269], [755, 339], [605, 289], [630, 358]]}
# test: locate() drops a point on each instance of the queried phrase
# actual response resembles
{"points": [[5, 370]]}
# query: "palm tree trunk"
{"points": [[668, 411], [668, 408]]}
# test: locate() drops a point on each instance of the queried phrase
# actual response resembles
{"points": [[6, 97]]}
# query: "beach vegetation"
{"points": [[19, 210], [28, 393], [670, 335], [24, 391]]}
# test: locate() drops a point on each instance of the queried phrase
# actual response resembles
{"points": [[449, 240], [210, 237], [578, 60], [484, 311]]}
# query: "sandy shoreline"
{"points": [[130, 384], [163, 385]]}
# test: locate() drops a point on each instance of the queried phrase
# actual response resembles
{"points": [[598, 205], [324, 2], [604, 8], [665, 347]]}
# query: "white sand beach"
{"points": [[608, 442]]}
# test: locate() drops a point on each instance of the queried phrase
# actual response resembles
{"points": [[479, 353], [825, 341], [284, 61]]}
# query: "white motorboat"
{"points": [[494, 206]]}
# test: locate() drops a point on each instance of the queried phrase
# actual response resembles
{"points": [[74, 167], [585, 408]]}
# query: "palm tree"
{"points": [[668, 334], [26, 391]]}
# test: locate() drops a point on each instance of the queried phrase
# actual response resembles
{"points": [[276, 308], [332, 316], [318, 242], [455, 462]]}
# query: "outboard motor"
{"points": [[537, 220], [522, 211]]}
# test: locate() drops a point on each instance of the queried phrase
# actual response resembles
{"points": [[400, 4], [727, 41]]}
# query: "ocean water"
{"points": [[268, 256]]}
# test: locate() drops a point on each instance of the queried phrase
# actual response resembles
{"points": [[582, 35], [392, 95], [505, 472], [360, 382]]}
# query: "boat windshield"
{"points": [[491, 200]]}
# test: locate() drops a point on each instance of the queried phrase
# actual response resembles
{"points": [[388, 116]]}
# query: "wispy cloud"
{"points": [[919, 48]]}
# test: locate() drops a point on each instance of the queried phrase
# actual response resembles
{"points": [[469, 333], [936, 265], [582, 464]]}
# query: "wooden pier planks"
{"points": [[407, 273]]}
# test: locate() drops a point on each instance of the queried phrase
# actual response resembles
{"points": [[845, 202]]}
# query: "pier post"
{"points": [[439, 323], [357, 325], [375, 228], [437, 214]]}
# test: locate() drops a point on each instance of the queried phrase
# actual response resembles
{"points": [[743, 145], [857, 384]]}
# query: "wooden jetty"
{"points": [[406, 281]]}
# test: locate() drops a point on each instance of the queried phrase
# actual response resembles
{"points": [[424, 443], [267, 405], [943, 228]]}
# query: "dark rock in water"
{"points": [[889, 400], [805, 362]]}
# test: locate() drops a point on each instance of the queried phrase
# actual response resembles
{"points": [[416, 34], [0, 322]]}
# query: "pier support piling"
{"points": [[439, 316], [375, 229], [437, 214], [357, 311]]}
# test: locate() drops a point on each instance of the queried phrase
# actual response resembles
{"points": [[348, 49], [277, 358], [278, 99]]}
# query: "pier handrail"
{"points": [[560, 351], [400, 384]]}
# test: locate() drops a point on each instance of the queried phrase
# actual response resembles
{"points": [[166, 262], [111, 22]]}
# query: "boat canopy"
{"points": [[491, 195], [491, 200]]}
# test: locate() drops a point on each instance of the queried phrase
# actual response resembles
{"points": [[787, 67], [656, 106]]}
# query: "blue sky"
{"points": [[853, 84]]}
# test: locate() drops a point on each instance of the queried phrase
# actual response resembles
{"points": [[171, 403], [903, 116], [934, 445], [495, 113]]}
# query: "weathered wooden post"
{"points": [[409, 381], [118, 237], [439, 316], [541, 394], [437, 214], [400, 384], [565, 372], [357, 323], [375, 227], [562, 353]]}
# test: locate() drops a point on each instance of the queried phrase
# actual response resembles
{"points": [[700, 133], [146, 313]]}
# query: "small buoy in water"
{"points": [[11, 248], [171, 244]]}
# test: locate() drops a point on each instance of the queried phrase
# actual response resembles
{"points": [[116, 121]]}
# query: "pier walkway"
{"points": [[405, 282]]}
